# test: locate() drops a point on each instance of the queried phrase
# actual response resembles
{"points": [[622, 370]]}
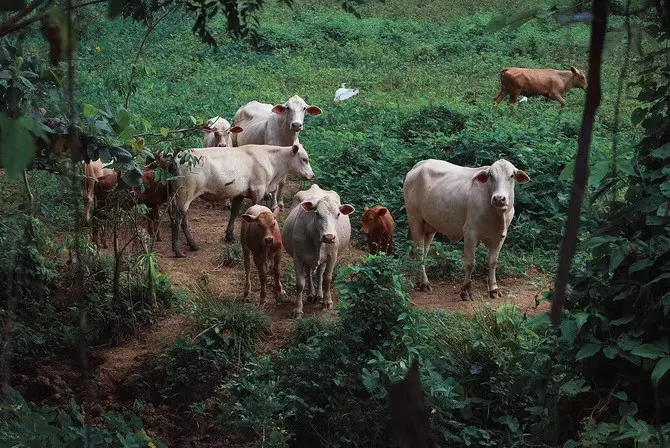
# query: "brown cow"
{"points": [[261, 237], [378, 225], [550, 83], [152, 194], [103, 188], [92, 172]]}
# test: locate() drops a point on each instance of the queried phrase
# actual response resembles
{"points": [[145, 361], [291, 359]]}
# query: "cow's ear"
{"points": [[235, 130], [382, 211], [346, 209], [276, 211], [207, 130], [313, 110], [296, 148], [521, 177], [279, 109], [573, 69], [365, 209], [307, 206], [481, 176], [249, 218]]}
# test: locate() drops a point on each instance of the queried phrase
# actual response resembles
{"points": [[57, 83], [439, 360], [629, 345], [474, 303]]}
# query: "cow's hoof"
{"points": [[424, 287], [230, 238], [495, 293], [327, 306], [297, 314], [467, 295], [178, 254], [194, 247]]}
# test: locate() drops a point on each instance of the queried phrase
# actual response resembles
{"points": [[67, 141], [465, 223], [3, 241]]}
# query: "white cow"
{"points": [[247, 171], [474, 203], [92, 172], [313, 191], [265, 124], [313, 234], [218, 133]]}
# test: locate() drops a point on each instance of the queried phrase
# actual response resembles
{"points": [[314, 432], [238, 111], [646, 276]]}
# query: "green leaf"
{"points": [[164, 132], [598, 172], [566, 174], [587, 351], [662, 152], [17, 145], [511, 422], [648, 351], [122, 118], [12, 5], [569, 330], [574, 387], [618, 256], [90, 110], [514, 20], [661, 369], [571, 444], [627, 408], [611, 351], [120, 154], [638, 115], [598, 241], [621, 395], [622, 321]]}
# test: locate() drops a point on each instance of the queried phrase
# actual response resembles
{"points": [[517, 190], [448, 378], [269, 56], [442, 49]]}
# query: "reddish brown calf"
{"points": [[378, 225], [261, 237], [550, 83], [154, 195]]}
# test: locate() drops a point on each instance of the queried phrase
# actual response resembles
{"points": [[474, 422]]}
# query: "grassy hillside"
{"points": [[427, 78]]}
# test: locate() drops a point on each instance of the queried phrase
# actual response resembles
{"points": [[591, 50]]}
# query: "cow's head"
{"points": [[222, 131], [299, 164], [326, 212], [500, 178], [578, 77], [266, 222], [372, 218], [294, 112]]}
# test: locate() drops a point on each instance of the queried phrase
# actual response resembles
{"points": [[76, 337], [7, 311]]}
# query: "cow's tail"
{"points": [[501, 93]]}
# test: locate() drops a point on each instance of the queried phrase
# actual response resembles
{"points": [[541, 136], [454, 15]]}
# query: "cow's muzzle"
{"points": [[268, 240], [328, 238], [296, 127], [499, 201]]}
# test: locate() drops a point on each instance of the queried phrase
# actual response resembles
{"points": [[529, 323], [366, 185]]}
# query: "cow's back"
{"points": [[253, 118], [439, 193], [313, 193]]}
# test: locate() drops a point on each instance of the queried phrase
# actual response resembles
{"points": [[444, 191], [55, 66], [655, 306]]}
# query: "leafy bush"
{"points": [[230, 255], [20, 426], [228, 333]]}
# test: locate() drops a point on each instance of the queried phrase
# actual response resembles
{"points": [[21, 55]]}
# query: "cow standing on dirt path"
{"points": [[246, 171], [474, 203], [265, 124], [550, 83], [218, 134]]}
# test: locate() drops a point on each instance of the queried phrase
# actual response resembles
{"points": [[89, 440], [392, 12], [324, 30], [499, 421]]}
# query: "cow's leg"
{"points": [[300, 285], [235, 206], [416, 234], [311, 294], [176, 220], [152, 223], [246, 254], [319, 278], [327, 276], [187, 232], [469, 247], [276, 272], [559, 98], [262, 274], [501, 96], [226, 204], [494, 251], [278, 196], [428, 235]]}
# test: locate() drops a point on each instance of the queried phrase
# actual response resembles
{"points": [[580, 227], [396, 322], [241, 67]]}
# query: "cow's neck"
{"points": [[280, 161], [287, 137]]}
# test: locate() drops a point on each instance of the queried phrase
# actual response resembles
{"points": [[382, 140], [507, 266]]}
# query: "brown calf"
{"points": [[378, 225], [261, 237], [154, 195], [550, 83]]}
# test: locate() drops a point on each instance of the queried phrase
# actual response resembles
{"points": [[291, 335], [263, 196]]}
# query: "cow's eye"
{"points": [[338, 215], [304, 159]]}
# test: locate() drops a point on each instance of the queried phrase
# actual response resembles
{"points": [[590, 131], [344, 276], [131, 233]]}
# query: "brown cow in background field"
{"points": [[550, 83]]}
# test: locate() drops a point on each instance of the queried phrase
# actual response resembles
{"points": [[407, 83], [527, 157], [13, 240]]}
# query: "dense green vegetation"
{"points": [[427, 77]]}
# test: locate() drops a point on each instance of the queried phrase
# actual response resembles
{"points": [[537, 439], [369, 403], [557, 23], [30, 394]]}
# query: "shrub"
{"points": [[230, 255]]}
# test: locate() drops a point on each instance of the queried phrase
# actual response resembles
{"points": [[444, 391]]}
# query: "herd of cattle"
{"points": [[254, 156]]}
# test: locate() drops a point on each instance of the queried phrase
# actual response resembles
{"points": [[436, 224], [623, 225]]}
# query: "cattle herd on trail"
{"points": [[252, 158]]}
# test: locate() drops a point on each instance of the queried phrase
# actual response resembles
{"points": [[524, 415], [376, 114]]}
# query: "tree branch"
{"points": [[37, 18], [11, 23], [581, 174]]}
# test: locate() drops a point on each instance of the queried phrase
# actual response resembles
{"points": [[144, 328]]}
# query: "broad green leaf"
{"points": [[511, 422], [662, 152], [648, 351], [121, 155], [164, 132], [598, 172], [611, 351], [661, 369], [566, 174], [621, 395], [122, 118], [622, 321], [627, 408], [618, 256], [127, 134], [569, 330], [587, 351], [665, 188], [597, 241], [571, 444], [626, 343], [16, 144], [574, 387], [90, 110]]}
